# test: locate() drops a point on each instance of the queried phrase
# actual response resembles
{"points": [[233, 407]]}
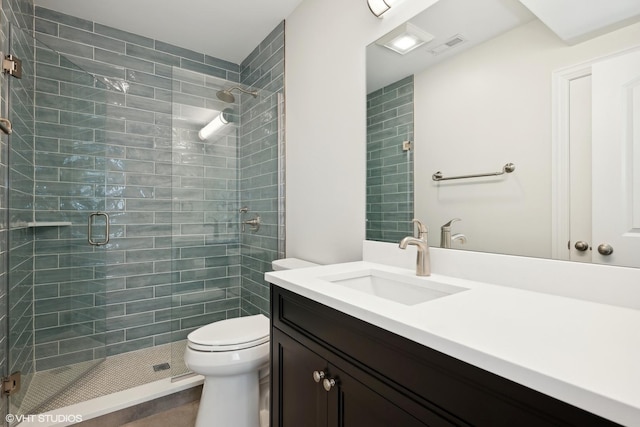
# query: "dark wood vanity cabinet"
{"points": [[376, 378], [299, 400], [334, 397]]}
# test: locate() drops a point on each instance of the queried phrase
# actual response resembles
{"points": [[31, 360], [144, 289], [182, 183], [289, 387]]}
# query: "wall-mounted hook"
{"points": [[244, 209]]}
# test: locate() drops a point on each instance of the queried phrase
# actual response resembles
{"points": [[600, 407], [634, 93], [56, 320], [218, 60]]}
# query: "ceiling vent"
{"points": [[456, 40]]}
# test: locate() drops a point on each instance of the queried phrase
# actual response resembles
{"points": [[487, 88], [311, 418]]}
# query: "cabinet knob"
{"points": [[318, 376], [328, 383]]}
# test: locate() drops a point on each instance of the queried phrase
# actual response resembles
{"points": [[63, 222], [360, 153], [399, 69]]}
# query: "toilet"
{"points": [[233, 357], [229, 354]]}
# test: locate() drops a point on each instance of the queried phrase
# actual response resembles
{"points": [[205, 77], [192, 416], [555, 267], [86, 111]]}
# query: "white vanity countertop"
{"points": [[580, 352]]}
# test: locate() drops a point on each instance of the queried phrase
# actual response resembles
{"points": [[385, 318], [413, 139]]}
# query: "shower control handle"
{"points": [[318, 376], [253, 222]]}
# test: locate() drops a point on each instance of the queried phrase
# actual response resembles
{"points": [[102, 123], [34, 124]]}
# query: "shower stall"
{"points": [[127, 225]]}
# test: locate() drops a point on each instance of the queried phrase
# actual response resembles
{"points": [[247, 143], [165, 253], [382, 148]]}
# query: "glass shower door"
{"points": [[57, 179]]}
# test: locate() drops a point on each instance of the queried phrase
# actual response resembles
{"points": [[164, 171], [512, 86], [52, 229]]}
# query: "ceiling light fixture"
{"points": [[404, 38], [218, 122], [378, 7]]}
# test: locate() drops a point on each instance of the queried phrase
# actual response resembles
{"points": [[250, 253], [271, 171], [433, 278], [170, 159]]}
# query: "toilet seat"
{"points": [[231, 334]]}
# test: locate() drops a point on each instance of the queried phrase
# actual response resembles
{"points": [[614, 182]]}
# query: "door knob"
{"points": [[328, 383], [318, 376], [581, 245], [605, 249]]}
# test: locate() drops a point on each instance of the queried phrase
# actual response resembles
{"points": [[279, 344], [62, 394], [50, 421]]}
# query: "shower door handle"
{"points": [[90, 229]]}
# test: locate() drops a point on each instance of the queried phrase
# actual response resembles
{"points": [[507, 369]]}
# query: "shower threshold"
{"points": [[110, 405]]}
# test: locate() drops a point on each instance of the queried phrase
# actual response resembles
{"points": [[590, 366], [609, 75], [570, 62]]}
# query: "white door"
{"points": [[580, 169], [616, 165]]}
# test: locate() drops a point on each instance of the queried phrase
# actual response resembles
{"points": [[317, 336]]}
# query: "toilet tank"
{"points": [[291, 263]]}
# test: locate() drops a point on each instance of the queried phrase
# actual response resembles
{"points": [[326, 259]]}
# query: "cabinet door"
{"points": [[297, 400], [353, 404]]}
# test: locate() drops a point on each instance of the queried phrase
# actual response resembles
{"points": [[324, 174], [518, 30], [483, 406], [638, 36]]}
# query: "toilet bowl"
{"points": [[230, 355]]}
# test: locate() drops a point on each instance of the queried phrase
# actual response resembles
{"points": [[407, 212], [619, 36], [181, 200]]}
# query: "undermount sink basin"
{"points": [[393, 287]]}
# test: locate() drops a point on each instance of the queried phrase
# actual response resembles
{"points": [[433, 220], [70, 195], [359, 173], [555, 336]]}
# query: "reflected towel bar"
{"points": [[508, 168]]}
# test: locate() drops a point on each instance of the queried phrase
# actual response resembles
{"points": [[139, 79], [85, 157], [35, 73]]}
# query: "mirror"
{"points": [[497, 86]]}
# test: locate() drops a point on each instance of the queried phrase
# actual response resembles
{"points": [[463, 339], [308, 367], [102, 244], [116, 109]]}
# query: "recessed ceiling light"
{"points": [[404, 38]]}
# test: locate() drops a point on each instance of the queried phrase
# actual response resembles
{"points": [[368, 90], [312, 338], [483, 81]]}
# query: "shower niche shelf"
{"points": [[49, 224], [38, 224]]}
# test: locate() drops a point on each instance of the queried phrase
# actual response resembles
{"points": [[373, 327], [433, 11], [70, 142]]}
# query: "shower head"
{"points": [[226, 95]]}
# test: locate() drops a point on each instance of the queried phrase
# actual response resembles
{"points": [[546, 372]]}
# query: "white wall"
{"points": [[325, 124], [486, 107]]}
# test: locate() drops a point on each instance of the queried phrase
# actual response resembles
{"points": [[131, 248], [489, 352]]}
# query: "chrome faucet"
{"points": [[423, 263], [445, 235]]}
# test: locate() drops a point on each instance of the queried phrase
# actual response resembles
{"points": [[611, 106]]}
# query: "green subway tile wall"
{"points": [[389, 168], [263, 69]]}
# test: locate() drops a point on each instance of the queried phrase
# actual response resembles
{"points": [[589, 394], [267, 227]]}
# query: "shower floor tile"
{"points": [[114, 374]]}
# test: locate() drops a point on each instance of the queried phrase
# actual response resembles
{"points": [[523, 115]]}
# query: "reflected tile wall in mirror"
{"points": [[389, 167]]}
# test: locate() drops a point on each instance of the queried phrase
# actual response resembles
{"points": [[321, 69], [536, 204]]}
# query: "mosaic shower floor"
{"points": [[116, 373]]}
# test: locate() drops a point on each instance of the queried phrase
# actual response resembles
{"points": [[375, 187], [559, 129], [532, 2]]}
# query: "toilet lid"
{"points": [[231, 334]]}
